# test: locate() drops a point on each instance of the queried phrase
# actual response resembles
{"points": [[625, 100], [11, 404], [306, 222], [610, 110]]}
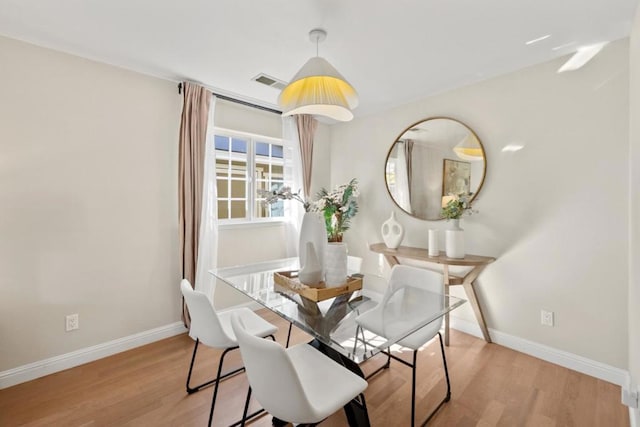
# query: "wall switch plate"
{"points": [[72, 322], [546, 317]]}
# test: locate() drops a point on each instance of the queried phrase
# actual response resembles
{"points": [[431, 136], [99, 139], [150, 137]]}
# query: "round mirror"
{"points": [[431, 160]]}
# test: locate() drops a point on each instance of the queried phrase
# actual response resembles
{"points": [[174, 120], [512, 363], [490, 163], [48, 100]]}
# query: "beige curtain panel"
{"points": [[193, 134], [306, 131]]}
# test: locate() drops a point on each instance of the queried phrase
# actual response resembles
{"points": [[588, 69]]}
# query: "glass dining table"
{"points": [[332, 323]]}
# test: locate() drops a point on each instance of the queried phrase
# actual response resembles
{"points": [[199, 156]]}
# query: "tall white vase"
{"points": [[310, 273], [392, 232], [313, 231], [454, 244], [335, 273]]}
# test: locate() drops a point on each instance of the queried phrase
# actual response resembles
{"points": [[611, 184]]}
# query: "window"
{"points": [[245, 164]]}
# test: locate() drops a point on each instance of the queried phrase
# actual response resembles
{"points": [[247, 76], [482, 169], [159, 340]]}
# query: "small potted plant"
{"points": [[338, 207], [454, 206]]}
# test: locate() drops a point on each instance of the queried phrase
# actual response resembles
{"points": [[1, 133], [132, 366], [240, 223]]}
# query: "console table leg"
{"points": [[473, 300]]}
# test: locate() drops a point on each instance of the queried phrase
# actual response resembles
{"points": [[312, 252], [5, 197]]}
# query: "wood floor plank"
{"points": [[491, 386]]}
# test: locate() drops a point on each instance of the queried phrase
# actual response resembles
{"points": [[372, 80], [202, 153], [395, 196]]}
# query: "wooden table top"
{"points": [[423, 255]]}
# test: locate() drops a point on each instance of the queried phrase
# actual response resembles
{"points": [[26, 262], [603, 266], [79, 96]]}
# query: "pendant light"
{"points": [[468, 149], [319, 89]]}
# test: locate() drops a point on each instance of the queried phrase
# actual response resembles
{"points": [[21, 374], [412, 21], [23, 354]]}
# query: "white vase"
{"points": [[454, 244], [311, 272], [313, 231], [392, 232], [335, 272]]}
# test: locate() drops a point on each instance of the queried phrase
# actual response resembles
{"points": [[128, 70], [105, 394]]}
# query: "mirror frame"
{"points": [[484, 170]]}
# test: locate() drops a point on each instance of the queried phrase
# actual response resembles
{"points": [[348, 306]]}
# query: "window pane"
{"points": [[277, 171], [262, 210], [222, 209], [238, 189], [223, 190], [262, 170], [276, 151], [238, 145], [221, 143], [222, 168], [238, 209], [239, 168], [276, 185], [262, 149], [277, 209], [261, 185]]}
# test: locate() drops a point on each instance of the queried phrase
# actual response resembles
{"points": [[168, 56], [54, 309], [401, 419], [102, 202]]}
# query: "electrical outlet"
{"points": [[546, 317], [73, 322]]}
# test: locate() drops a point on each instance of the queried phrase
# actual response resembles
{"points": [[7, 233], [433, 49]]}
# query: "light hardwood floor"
{"points": [[491, 386]]}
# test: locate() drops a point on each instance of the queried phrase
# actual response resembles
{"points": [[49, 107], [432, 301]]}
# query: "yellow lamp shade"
{"points": [[319, 89], [469, 149]]}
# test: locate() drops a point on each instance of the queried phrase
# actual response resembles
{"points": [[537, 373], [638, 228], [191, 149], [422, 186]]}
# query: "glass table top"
{"points": [[333, 321]]}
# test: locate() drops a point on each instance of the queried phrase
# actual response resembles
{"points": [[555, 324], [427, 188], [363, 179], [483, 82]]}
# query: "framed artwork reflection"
{"points": [[456, 177]]}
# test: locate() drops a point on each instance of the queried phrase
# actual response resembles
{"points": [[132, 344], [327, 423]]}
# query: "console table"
{"points": [[477, 262]]}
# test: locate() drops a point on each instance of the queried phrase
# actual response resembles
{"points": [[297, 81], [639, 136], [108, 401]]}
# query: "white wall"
{"points": [[555, 214], [634, 193], [89, 194], [88, 223]]}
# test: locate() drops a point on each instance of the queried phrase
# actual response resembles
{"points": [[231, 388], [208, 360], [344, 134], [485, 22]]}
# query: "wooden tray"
{"points": [[289, 280]]}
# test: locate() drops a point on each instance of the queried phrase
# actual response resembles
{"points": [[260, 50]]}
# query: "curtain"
{"points": [[306, 130], [408, 154], [402, 179], [293, 172], [208, 238], [191, 161]]}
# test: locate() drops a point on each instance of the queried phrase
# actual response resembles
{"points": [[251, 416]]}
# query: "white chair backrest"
{"points": [[205, 324], [271, 374], [405, 276]]}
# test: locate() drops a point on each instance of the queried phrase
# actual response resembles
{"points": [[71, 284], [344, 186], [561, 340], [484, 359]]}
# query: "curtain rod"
{"points": [[238, 101]]}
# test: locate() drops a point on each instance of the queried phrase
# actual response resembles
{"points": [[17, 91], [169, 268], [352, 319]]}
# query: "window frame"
{"points": [[251, 194]]}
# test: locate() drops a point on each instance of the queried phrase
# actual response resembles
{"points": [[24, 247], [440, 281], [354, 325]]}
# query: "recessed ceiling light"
{"points": [[581, 57], [539, 39]]}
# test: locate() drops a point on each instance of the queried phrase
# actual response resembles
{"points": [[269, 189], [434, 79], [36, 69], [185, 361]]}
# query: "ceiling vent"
{"points": [[270, 81]]}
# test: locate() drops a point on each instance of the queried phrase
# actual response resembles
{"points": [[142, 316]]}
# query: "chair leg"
{"points": [[446, 375], [220, 377], [413, 388], [192, 390], [289, 335], [446, 370], [246, 408], [246, 417]]}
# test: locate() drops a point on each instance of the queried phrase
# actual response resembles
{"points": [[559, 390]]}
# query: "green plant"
{"points": [[338, 208], [458, 205]]}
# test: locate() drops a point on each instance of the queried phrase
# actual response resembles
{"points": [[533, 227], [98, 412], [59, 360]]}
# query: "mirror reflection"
{"points": [[431, 160]]}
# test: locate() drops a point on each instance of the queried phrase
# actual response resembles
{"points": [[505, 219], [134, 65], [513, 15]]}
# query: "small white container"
{"points": [[434, 249]]}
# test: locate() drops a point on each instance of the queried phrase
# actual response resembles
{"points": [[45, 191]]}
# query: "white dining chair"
{"points": [[214, 329], [403, 278], [298, 384]]}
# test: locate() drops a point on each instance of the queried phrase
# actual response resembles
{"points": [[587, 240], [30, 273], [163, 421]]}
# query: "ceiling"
{"points": [[391, 52]]}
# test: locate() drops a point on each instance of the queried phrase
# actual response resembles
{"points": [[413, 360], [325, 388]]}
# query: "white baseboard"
{"points": [[79, 357], [559, 357]]}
